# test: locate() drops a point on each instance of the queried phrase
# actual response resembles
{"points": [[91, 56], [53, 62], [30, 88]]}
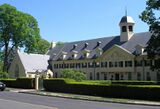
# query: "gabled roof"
{"points": [[33, 62], [106, 43]]}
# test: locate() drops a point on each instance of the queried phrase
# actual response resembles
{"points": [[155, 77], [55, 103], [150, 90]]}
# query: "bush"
{"points": [[145, 92], [3, 74], [125, 82], [73, 74], [26, 83]]}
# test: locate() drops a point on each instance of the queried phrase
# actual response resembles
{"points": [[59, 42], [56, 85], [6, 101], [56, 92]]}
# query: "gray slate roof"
{"points": [[127, 19], [106, 43], [33, 62]]}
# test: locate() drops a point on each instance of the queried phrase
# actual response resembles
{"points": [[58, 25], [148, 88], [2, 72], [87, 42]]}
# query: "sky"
{"points": [[74, 20]]}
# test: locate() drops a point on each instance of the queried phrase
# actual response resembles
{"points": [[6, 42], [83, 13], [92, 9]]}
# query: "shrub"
{"points": [[3, 74], [27, 83], [147, 92], [73, 74], [125, 82]]}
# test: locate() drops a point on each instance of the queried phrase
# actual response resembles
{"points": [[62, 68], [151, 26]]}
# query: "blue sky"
{"points": [[72, 20]]}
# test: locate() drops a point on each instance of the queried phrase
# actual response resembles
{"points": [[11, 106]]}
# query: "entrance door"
{"points": [[116, 76]]}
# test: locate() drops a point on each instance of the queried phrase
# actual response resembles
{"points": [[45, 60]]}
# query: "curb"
{"points": [[98, 99]]}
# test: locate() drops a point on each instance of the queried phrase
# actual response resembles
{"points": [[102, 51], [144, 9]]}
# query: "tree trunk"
{"points": [[5, 65]]}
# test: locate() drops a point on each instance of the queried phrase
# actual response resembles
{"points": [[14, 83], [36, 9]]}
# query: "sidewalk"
{"points": [[85, 97]]}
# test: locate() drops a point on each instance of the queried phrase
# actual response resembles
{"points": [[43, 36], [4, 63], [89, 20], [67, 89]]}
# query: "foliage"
{"points": [[60, 43], [41, 47], [145, 92], [3, 74], [151, 15], [1, 66], [73, 74], [1, 56], [17, 29], [26, 83]]}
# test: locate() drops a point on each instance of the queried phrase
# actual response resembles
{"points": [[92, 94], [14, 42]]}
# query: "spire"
{"points": [[126, 11]]}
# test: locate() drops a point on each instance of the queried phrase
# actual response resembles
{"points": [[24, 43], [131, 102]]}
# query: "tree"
{"points": [[151, 15], [17, 29], [41, 47], [73, 74]]}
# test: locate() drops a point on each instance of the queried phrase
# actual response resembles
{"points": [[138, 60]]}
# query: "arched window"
{"points": [[124, 28], [17, 71]]}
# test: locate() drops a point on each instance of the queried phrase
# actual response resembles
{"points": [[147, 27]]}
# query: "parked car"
{"points": [[2, 86]]}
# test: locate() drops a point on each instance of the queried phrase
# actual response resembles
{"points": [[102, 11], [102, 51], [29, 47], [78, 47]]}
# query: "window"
{"points": [[124, 29], [120, 63], [90, 65], [73, 56], [97, 64], [147, 62], [138, 63], [105, 64], [84, 65], [138, 76], [129, 76], [102, 64], [55, 66], [131, 28], [98, 76], [128, 63], [56, 75], [122, 77], [105, 76], [148, 76], [78, 65], [115, 64], [90, 77], [110, 64]]}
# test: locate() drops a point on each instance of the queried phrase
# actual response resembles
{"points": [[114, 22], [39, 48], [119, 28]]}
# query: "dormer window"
{"points": [[64, 54], [99, 43], [85, 53], [74, 46], [130, 28], [99, 52], [86, 45], [139, 49], [74, 54], [124, 29]]}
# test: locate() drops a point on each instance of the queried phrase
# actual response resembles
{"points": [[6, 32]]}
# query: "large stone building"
{"points": [[119, 57]]}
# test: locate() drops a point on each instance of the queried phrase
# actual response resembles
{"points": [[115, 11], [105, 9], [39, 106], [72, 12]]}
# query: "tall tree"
{"points": [[17, 29], [41, 47], [151, 15]]}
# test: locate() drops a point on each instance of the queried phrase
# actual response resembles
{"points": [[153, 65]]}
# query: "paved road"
{"points": [[63, 103], [10, 104]]}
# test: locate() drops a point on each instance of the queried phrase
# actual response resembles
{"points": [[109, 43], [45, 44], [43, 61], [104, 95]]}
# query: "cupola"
{"points": [[126, 28]]}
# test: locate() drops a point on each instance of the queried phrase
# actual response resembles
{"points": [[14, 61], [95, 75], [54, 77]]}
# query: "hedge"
{"points": [[134, 82], [26, 83], [147, 92]]}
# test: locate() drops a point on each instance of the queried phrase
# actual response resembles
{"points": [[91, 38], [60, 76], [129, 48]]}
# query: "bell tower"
{"points": [[126, 28]]}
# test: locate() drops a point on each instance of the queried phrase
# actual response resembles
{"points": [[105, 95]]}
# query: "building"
{"points": [[29, 65], [119, 57]]}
